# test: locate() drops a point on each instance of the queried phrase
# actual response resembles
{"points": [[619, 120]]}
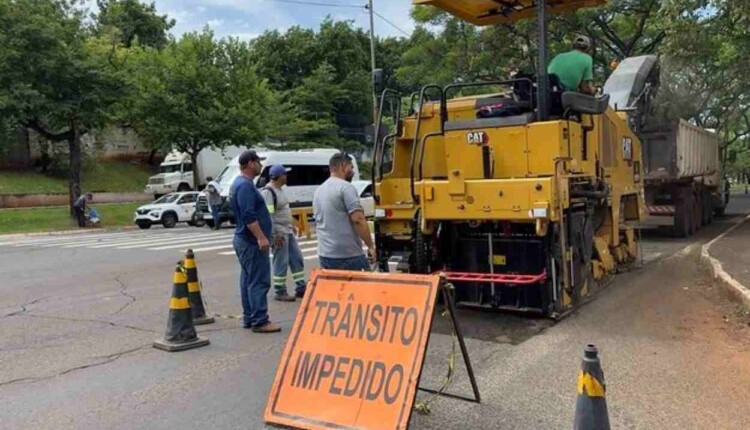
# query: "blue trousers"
{"points": [[215, 210], [255, 281], [288, 256], [354, 263]]}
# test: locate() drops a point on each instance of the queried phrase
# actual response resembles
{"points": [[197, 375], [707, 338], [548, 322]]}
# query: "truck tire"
{"points": [[169, 220], [682, 219], [422, 249], [697, 211]]}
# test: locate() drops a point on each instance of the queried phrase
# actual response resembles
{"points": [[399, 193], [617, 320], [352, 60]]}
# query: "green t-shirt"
{"points": [[572, 68]]}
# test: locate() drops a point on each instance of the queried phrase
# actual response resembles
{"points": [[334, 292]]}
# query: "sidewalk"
{"points": [[729, 258]]}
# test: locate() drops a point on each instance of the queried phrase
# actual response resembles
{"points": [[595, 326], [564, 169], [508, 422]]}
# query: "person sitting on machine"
{"points": [[574, 68]]}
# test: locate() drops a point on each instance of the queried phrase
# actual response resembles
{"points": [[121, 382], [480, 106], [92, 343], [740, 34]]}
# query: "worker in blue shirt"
{"points": [[251, 244]]}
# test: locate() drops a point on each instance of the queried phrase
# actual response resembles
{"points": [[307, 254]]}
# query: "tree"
{"points": [[53, 79], [199, 93], [132, 20]]}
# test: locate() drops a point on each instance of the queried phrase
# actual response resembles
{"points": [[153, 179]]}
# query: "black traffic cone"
{"points": [[591, 405], [194, 291], [180, 333]]}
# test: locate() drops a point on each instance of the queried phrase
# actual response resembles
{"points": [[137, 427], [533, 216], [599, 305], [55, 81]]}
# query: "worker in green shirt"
{"points": [[574, 69]]}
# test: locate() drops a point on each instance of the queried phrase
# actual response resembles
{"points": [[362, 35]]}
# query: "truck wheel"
{"points": [[682, 219], [697, 211], [169, 220], [422, 249], [183, 188]]}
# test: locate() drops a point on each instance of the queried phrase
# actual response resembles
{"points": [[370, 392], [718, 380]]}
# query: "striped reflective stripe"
{"points": [[179, 304], [179, 278], [298, 276], [193, 287], [271, 209], [589, 386], [190, 263]]}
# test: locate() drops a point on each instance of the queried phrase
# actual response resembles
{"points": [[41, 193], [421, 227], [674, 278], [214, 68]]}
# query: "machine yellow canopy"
{"points": [[487, 12]]}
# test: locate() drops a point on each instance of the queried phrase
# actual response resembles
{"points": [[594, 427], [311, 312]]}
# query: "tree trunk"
{"points": [[74, 147]]}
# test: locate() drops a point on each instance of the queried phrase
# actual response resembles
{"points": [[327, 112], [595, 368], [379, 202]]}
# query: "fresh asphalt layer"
{"points": [[78, 314]]}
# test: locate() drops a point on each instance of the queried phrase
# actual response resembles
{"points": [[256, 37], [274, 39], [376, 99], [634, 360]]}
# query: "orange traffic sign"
{"points": [[355, 353]]}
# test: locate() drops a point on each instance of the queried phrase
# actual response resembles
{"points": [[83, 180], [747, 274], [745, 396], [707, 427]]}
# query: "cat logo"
{"points": [[478, 138]]}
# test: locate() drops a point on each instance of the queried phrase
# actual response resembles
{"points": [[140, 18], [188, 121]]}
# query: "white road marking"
{"points": [[103, 242], [215, 241], [153, 242]]}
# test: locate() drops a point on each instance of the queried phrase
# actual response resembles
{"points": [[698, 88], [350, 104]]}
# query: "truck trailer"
{"points": [[684, 187]]}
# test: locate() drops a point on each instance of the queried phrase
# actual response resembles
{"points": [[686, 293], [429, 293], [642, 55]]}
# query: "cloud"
{"points": [[249, 18], [215, 23]]}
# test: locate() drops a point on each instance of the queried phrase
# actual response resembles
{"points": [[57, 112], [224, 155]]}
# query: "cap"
{"points": [[278, 170], [249, 156], [582, 42]]}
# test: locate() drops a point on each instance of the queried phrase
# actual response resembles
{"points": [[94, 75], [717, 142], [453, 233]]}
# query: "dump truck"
{"points": [[683, 179], [526, 198]]}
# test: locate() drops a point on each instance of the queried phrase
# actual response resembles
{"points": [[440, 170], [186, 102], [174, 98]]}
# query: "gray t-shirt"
{"points": [[333, 202], [214, 193], [281, 213]]}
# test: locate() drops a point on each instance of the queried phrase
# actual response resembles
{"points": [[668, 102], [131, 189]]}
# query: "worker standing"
{"points": [[252, 246], [340, 220], [213, 192], [286, 252], [574, 68]]}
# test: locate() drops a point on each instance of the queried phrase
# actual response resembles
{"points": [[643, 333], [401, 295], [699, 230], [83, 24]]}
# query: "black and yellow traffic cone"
{"points": [[180, 333], [194, 291], [591, 405]]}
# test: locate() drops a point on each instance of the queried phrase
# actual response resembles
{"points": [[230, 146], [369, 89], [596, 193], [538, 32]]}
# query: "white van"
{"points": [[309, 169]]}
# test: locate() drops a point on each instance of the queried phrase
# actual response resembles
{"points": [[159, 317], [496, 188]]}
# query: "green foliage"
{"points": [[54, 79], [98, 176], [55, 219], [198, 93], [131, 21]]}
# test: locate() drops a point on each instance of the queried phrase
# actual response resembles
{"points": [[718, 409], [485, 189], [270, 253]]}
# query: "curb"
{"points": [[735, 289]]}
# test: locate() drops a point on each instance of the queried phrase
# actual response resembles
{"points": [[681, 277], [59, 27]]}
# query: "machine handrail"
{"points": [[378, 150], [421, 151], [416, 134]]}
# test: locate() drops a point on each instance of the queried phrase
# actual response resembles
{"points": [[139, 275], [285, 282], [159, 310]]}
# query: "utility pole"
{"points": [[372, 60]]}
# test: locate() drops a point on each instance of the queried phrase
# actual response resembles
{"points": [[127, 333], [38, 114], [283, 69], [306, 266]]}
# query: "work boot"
{"points": [[268, 327], [284, 298]]}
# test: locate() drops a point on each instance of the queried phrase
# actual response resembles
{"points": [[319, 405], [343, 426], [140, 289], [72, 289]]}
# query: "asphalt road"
{"points": [[78, 314]]}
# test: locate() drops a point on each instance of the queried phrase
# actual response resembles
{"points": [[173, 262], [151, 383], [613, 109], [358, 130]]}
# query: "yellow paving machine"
{"points": [[524, 196]]}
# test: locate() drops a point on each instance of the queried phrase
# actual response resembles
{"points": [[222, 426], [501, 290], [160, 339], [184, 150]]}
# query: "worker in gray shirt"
{"points": [[213, 195], [286, 252], [340, 220]]}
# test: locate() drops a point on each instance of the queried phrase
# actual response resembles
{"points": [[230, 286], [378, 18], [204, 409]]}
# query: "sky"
{"points": [[247, 19]]}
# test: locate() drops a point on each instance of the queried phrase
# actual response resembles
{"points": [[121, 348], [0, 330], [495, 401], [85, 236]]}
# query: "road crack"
{"points": [[124, 293], [24, 307], [100, 361], [109, 323]]}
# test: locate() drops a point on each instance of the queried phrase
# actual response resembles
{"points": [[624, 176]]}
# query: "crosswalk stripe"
{"points": [[213, 248], [153, 242], [78, 244], [188, 244]]}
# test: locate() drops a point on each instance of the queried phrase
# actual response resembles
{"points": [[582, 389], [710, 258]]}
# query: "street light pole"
{"points": [[372, 61]]}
